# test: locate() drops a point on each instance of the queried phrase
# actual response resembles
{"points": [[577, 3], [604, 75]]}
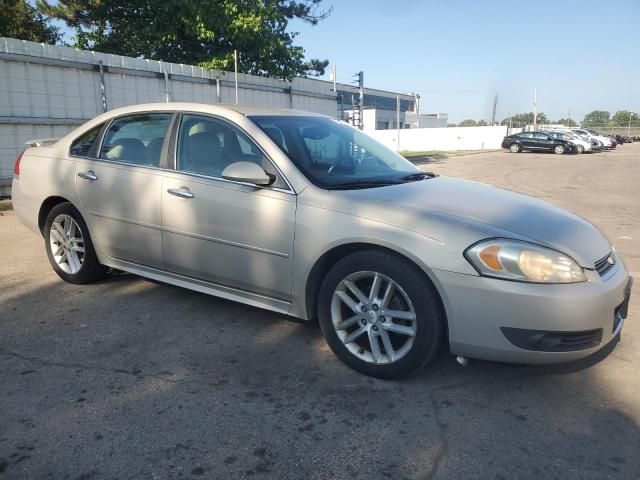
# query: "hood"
{"points": [[497, 213]]}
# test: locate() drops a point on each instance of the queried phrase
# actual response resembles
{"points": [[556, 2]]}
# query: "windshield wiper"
{"points": [[418, 176], [363, 184]]}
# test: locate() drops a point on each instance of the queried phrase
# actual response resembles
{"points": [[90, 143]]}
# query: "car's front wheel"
{"points": [[559, 149], [580, 149], [515, 148], [380, 314], [69, 246]]}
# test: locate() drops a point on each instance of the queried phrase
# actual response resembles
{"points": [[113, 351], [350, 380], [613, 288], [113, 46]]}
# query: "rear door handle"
{"points": [[181, 192], [88, 176]]}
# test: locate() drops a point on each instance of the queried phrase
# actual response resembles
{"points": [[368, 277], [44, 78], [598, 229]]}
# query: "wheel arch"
{"points": [[46, 206], [334, 254]]}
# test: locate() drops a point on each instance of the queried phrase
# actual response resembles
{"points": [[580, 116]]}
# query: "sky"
{"points": [[457, 54]]}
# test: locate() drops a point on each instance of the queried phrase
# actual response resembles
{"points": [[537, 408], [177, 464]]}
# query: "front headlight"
{"points": [[526, 262]]}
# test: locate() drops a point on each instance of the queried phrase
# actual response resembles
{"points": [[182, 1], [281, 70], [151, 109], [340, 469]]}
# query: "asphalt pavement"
{"points": [[129, 378]]}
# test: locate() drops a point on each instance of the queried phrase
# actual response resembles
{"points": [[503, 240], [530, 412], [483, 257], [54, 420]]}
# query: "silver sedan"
{"points": [[304, 215]]}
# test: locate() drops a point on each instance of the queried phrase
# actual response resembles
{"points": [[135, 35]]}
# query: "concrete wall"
{"points": [[444, 139]]}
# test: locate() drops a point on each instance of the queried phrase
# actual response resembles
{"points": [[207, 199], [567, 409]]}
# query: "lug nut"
{"points": [[374, 328], [375, 307], [363, 322], [364, 308], [383, 319]]}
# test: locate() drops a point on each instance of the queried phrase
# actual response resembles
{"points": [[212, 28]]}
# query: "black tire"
{"points": [[515, 148], [559, 149], [430, 319], [91, 269]]}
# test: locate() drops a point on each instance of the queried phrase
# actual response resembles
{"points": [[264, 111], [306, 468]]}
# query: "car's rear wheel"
{"points": [[380, 314], [69, 246], [515, 148], [580, 149], [559, 149]]}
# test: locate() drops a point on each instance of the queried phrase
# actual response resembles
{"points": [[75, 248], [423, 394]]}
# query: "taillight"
{"points": [[16, 168]]}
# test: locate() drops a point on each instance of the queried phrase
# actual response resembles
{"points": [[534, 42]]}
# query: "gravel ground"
{"points": [[130, 378]]}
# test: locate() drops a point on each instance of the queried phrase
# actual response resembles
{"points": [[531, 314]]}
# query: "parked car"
{"points": [[596, 144], [304, 215], [606, 141], [581, 145], [538, 141]]}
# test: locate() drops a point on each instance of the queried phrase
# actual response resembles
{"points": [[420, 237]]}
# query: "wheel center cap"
{"points": [[373, 317]]}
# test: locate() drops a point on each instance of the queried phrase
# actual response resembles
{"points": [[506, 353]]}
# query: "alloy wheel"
{"points": [[559, 149], [67, 244], [378, 327]]}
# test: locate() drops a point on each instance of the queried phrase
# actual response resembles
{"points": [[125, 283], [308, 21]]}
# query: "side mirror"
{"points": [[247, 172]]}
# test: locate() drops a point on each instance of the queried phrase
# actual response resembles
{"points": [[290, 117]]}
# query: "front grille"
{"points": [[605, 264]]}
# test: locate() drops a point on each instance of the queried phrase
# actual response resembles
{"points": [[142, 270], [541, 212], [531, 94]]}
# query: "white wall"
{"points": [[444, 139]]}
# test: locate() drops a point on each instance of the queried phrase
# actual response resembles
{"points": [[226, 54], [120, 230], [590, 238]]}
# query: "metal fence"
{"points": [[45, 91]]}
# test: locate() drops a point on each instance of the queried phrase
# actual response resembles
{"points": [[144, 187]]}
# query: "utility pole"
{"points": [[397, 123], [361, 99], [495, 104], [358, 107], [629, 127], [334, 78], [535, 109], [235, 62]]}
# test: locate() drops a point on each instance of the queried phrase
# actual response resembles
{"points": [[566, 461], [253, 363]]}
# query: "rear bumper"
{"points": [[531, 323], [25, 207]]}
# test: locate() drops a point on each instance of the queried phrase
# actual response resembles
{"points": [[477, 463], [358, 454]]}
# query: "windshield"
{"points": [[332, 154]]}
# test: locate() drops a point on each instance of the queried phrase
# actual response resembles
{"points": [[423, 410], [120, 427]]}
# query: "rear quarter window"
{"points": [[85, 144]]}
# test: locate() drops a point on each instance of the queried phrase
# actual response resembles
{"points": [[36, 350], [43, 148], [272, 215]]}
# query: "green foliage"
{"points": [[596, 118], [621, 119], [197, 32], [567, 122], [482, 123], [468, 123], [18, 19], [522, 119]]}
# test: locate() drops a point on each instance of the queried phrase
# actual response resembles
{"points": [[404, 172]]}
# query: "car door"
{"points": [[542, 141], [527, 141], [120, 189], [229, 233]]}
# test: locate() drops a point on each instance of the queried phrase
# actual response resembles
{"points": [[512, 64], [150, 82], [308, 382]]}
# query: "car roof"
{"points": [[247, 110]]}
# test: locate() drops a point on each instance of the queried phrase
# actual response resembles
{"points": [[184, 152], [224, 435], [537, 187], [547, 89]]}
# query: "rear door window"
{"points": [[136, 139]]}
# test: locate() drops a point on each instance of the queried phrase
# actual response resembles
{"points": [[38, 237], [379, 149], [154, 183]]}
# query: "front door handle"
{"points": [[88, 176], [181, 192]]}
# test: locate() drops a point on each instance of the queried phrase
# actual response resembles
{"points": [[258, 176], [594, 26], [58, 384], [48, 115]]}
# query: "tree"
{"points": [[315, 67], [596, 118], [621, 119], [525, 119], [482, 123], [468, 123], [200, 32], [567, 122], [18, 19]]}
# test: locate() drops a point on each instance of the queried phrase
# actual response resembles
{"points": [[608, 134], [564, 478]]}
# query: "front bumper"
{"points": [[479, 309]]}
